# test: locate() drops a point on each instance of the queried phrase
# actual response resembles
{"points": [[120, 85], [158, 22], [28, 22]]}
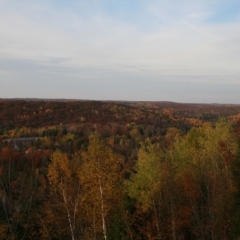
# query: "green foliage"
{"points": [[50, 132], [144, 183], [116, 229], [205, 156]]}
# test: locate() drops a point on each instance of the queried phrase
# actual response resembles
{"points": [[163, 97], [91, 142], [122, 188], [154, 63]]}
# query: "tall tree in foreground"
{"points": [[189, 189], [144, 185], [100, 178], [18, 193], [64, 196], [205, 158]]}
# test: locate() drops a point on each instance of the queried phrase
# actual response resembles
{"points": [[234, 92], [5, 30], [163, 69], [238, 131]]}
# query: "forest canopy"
{"points": [[119, 170]]}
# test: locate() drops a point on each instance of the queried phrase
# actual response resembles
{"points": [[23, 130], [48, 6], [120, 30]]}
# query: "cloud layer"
{"points": [[143, 50]]}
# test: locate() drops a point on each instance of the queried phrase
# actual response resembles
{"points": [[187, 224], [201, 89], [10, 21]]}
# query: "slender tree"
{"points": [[100, 178]]}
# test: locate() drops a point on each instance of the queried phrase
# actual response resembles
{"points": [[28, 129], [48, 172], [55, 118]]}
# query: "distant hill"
{"points": [[47, 112], [205, 112]]}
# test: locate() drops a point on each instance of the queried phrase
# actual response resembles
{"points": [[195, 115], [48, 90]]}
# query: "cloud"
{"points": [[168, 41], [200, 16]]}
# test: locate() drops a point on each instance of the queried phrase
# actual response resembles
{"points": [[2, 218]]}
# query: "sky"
{"points": [[138, 50]]}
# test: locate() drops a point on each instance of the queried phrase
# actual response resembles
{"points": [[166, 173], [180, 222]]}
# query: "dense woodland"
{"points": [[119, 170]]}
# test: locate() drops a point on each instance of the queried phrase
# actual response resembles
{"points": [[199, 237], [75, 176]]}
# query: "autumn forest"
{"points": [[111, 170]]}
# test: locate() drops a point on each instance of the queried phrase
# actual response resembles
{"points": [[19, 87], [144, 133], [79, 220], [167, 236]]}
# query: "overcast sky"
{"points": [[148, 50]]}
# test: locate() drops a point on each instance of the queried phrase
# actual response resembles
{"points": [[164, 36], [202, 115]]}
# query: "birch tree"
{"points": [[100, 178], [64, 190]]}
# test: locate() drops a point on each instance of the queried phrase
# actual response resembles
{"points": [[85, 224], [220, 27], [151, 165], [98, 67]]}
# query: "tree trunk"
{"points": [[102, 206], [68, 213], [103, 219], [156, 215]]}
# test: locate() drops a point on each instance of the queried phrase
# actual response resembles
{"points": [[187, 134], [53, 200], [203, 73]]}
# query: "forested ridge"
{"points": [[15, 114], [119, 170]]}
